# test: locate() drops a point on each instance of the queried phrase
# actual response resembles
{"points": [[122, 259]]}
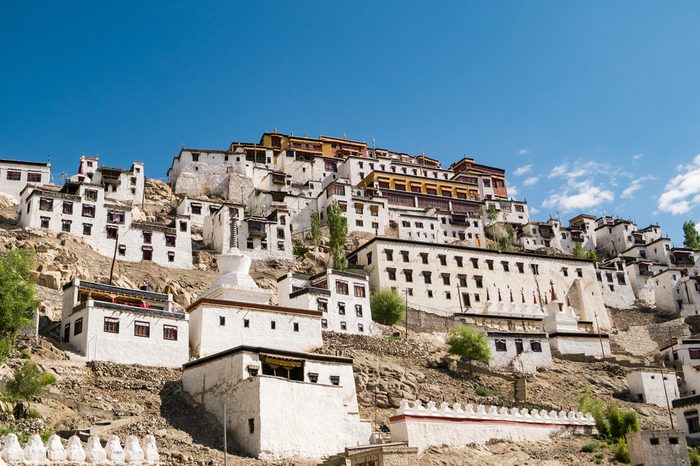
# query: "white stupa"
{"points": [[234, 282]]}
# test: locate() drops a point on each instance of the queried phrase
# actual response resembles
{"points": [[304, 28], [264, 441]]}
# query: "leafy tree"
{"points": [[582, 253], [316, 229], [469, 344], [299, 249], [622, 453], [28, 382], [338, 228], [610, 420], [691, 236], [387, 306], [18, 301]]}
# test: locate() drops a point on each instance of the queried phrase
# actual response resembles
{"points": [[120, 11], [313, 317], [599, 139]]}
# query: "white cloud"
{"points": [[523, 152], [578, 195], [512, 191], [531, 180], [581, 168], [534, 210], [520, 171], [634, 186], [682, 192], [637, 157]]}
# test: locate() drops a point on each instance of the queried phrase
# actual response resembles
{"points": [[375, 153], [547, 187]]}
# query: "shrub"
{"points": [[622, 453], [694, 457], [387, 306], [28, 382], [299, 249], [483, 391], [469, 344], [611, 421], [589, 448]]}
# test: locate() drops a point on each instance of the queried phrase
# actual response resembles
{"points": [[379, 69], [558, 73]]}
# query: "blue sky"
{"points": [[589, 106]]}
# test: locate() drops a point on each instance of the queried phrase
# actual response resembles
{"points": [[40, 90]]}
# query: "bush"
{"points": [[611, 421], [622, 453], [28, 382], [483, 391], [387, 306], [469, 344], [589, 448], [694, 457], [299, 249]]}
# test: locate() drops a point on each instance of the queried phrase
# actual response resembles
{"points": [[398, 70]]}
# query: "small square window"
{"points": [[273, 324], [222, 320], [246, 323], [335, 380], [296, 326]]}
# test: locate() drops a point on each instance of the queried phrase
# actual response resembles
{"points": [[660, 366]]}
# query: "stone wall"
{"points": [[457, 425]]}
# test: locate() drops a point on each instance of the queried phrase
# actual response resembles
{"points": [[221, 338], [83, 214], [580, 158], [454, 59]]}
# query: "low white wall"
{"points": [[457, 425], [571, 344]]}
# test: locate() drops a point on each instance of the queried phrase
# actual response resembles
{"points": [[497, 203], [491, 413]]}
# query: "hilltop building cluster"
{"points": [[424, 230]]}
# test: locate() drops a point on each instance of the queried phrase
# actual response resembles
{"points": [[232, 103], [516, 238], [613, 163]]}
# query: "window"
{"points": [[115, 216], [142, 329], [446, 279], [122, 249], [579, 273], [506, 266], [673, 440], [322, 304], [112, 232], [169, 332], [146, 253], [391, 273], [183, 226], [358, 310], [535, 269], [66, 225], [273, 325], [296, 326], [360, 291], [87, 229], [341, 287], [45, 222], [147, 237], [443, 259], [195, 158], [111, 325], [536, 346], [369, 258], [313, 377], [427, 278], [251, 421], [694, 353], [691, 418], [361, 328], [501, 345], [424, 257], [479, 281], [88, 210], [462, 280], [521, 267], [430, 293], [222, 321], [78, 327], [389, 254], [448, 295], [171, 256], [46, 204], [196, 208], [408, 274], [341, 309], [404, 255], [90, 195], [565, 271], [170, 241], [343, 325], [489, 264], [459, 261], [654, 441], [324, 323], [14, 175], [280, 233], [335, 380], [475, 262]]}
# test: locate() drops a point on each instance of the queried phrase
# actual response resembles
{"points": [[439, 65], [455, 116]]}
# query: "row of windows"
{"points": [[246, 324], [16, 175], [111, 325], [250, 244], [322, 305], [535, 345], [343, 325]]}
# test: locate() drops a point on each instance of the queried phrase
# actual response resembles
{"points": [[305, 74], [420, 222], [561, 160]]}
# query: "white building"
{"points": [[236, 312], [198, 209], [280, 403], [342, 297], [122, 325], [447, 279], [653, 387], [568, 334], [522, 352], [686, 412], [16, 174], [119, 184], [80, 209]]}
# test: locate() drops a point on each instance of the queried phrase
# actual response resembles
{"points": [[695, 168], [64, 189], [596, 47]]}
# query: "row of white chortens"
{"points": [[55, 452]]}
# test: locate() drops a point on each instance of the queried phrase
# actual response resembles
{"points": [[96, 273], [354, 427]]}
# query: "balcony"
{"points": [[257, 230]]}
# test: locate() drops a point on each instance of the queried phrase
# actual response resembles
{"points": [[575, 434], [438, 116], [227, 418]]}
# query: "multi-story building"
{"points": [[109, 323], [16, 174], [119, 184], [447, 279], [342, 297], [80, 209]]}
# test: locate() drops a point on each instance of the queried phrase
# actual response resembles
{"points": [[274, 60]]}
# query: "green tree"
{"points": [[387, 306], [691, 236], [610, 420], [582, 253], [299, 249], [338, 229], [18, 301], [316, 229], [469, 344], [28, 382]]}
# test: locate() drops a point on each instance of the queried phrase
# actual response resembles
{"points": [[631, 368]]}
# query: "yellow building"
{"points": [[421, 185]]}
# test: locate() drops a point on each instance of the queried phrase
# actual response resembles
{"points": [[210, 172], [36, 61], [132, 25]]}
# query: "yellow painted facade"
{"points": [[418, 185]]}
